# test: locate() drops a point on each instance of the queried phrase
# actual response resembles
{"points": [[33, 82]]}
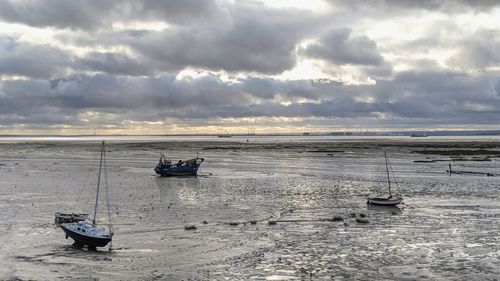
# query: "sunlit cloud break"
{"points": [[201, 66]]}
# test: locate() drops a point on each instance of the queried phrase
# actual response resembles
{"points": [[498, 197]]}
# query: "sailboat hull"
{"points": [[385, 201], [177, 171], [90, 240]]}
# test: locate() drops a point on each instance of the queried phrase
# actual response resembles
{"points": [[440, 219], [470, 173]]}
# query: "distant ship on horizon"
{"points": [[419, 135]]}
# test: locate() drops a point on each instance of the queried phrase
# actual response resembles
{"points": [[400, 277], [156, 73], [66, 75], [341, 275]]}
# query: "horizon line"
{"points": [[304, 133]]}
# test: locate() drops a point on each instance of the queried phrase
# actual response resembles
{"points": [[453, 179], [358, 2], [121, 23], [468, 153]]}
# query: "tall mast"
{"points": [[387, 170], [98, 184]]}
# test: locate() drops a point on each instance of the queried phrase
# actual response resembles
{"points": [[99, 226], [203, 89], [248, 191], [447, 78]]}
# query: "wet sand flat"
{"points": [[262, 211]]}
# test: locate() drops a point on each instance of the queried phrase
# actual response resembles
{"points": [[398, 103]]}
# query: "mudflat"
{"points": [[269, 210]]}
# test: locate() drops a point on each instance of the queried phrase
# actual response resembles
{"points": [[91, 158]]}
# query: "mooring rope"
{"points": [[82, 203], [106, 188]]}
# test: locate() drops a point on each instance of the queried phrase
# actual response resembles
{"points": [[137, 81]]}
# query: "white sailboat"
{"points": [[386, 200]]}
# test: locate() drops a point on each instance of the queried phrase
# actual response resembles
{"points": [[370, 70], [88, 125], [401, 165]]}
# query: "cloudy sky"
{"points": [[214, 66]]}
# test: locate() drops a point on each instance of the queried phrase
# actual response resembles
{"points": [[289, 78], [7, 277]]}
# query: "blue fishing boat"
{"points": [[181, 168], [89, 234]]}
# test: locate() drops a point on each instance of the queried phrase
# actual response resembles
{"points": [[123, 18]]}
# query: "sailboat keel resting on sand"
{"points": [[386, 200], [85, 233], [390, 200]]}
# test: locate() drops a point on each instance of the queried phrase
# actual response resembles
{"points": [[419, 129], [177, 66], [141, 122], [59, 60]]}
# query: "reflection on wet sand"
{"points": [[185, 188]]}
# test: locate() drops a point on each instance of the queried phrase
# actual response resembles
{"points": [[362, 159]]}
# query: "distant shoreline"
{"points": [[250, 139], [418, 134]]}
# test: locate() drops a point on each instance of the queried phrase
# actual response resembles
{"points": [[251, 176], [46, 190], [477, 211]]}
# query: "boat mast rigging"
{"points": [[387, 170], [98, 184]]}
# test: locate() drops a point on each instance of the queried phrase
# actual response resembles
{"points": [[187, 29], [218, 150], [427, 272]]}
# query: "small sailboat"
{"points": [[69, 217], [85, 233], [189, 167], [386, 200]]}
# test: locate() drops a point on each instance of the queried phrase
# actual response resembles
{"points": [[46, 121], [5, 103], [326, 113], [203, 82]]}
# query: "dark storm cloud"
{"points": [[38, 61], [446, 6], [105, 91], [59, 13], [339, 46], [177, 11], [254, 39], [94, 14], [115, 63], [441, 96], [234, 37]]}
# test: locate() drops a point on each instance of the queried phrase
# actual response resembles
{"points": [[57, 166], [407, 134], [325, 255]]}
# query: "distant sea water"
{"points": [[250, 138]]}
